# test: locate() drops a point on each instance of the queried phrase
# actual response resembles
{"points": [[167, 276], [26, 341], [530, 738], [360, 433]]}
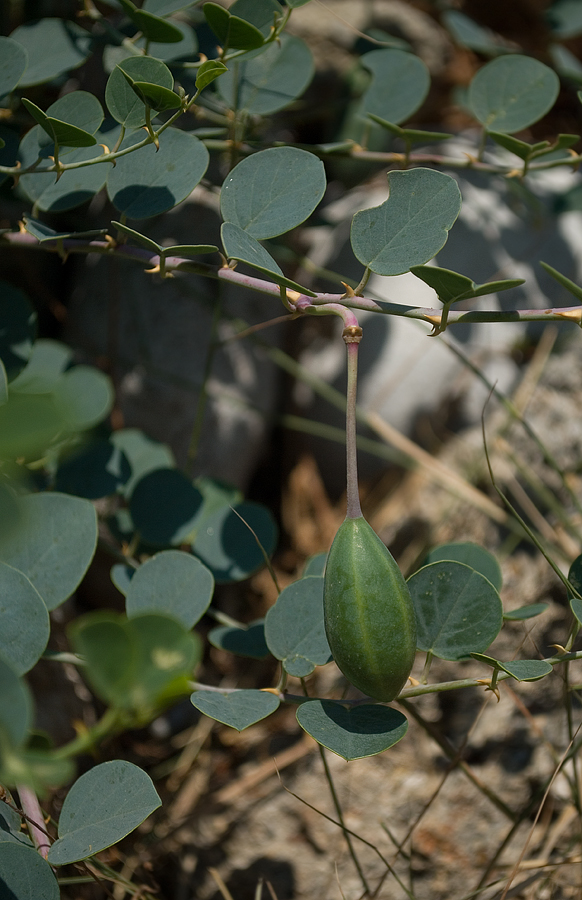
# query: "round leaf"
{"points": [[79, 108], [55, 545], [146, 183], [25, 875], [144, 455], [248, 641], [510, 93], [400, 83], [472, 555], [15, 706], [457, 610], [352, 733], [53, 46], [13, 63], [239, 709], [44, 368], [295, 630], [270, 80], [18, 329], [25, 621], [122, 101], [99, 470], [411, 226], [102, 807], [164, 507], [172, 583], [229, 548], [272, 191]]}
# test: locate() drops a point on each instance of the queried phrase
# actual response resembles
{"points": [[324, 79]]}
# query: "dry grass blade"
{"points": [[220, 884]]}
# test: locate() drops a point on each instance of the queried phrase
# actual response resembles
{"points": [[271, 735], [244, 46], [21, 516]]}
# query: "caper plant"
{"points": [[171, 539]]}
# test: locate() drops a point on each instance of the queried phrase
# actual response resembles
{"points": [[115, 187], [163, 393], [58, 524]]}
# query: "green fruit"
{"points": [[369, 616]]}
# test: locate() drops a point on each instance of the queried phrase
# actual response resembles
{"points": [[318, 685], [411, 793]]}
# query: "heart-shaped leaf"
{"points": [[102, 807], [457, 610], [295, 630], [352, 733], [411, 226], [172, 583], [239, 709]]}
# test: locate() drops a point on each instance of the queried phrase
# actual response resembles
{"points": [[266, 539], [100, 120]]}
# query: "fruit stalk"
{"points": [[352, 335]]}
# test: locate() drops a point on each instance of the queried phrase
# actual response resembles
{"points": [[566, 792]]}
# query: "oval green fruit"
{"points": [[368, 611]]}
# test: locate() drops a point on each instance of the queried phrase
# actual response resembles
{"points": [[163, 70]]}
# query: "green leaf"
{"points": [[352, 733], [469, 34], [473, 555], [527, 669], [166, 7], [295, 630], [452, 287], [9, 142], [25, 875], [566, 64], [18, 329], [29, 424], [185, 49], [33, 768], [71, 121], [400, 83], [55, 545], [576, 607], [43, 232], [159, 98], [229, 548], [10, 824], [565, 18], [520, 148], [238, 244], [97, 471], [25, 621], [144, 455], [232, 31], [102, 807], [85, 397], [146, 183], [44, 368], [157, 29], [575, 574], [239, 709], [13, 63], [53, 46], [121, 576], [260, 13], [122, 101], [315, 565], [208, 72], [272, 191], [141, 239], [411, 226], [172, 583], [16, 708], [134, 664], [249, 641], [266, 82], [74, 187], [188, 250], [525, 612], [457, 610], [164, 507], [410, 135], [565, 282], [512, 92]]}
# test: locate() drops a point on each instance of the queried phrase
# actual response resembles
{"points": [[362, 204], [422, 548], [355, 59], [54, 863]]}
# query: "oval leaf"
{"points": [[272, 191], [527, 669], [472, 555], [525, 612], [249, 641], [295, 630], [102, 807], [512, 92], [55, 545], [271, 80], [164, 507], [411, 226], [241, 246], [53, 46], [13, 63], [239, 709], [352, 733], [457, 610], [226, 544], [146, 183], [25, 622], [400, 83], [172, 583], [123, 103], [25, 875]]}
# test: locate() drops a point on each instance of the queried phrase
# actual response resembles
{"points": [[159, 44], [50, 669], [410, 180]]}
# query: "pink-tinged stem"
{"points": [[352, 335], [30, 806]]}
